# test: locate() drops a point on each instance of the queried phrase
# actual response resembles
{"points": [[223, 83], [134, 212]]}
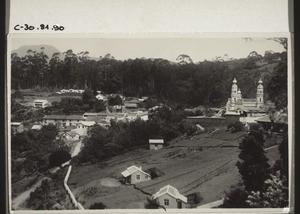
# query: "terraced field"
{"points": [[204, 163]]}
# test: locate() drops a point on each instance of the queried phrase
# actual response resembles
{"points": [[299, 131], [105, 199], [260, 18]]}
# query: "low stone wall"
{"points": [[208, 121], [73, 199]]}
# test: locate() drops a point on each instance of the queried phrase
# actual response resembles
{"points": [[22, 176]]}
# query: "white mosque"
{"points": [[253, 107]]}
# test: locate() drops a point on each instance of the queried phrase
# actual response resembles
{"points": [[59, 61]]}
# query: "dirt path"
{"points": [[272, 147], [25, 195], [77, 149]]}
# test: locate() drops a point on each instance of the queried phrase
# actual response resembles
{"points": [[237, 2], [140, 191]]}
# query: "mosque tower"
{"points": [[234, 91], [260, 93], [239, 94], [234, 95]]}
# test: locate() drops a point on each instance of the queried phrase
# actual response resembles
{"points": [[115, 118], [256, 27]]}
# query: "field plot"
{"points": [[30, 96]]}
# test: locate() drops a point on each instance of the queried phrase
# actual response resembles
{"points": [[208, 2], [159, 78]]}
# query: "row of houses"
{"points": [[168, 196]]}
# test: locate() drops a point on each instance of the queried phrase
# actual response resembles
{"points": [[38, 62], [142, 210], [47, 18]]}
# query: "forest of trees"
{"points": [[185, 83]]}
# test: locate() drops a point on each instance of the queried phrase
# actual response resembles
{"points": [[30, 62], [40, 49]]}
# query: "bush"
{"points": [[59, 157], [194, 198], [97, 205], [237, 127], [187, 127], [151, 204], [236, 198]]}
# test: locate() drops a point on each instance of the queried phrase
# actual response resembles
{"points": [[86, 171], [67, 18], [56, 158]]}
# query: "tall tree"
{"points": [[253, 164]]}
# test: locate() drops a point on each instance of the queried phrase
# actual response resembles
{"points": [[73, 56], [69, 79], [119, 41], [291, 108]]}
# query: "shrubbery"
{"points": [[105, 143], [59, 157]]}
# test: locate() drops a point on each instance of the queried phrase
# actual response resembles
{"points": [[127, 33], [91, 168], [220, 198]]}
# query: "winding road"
{"points": [[19, 200]]}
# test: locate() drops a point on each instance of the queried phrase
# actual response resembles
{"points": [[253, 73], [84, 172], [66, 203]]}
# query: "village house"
{"points": [[83, 127], [156, 144], [16, 127], [40, 103], [71, 136], [62, 120], [134, 175], [169, 197]]}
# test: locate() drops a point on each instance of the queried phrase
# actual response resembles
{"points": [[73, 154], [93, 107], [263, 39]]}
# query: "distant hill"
{"points": [[49, 50]]}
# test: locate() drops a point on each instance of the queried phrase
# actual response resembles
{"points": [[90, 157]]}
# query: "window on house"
{"points": [[166, 202], [138, 177]]}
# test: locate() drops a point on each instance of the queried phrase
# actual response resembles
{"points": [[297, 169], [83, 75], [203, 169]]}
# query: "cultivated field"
{"points": [[205, 163], [31, 95]]}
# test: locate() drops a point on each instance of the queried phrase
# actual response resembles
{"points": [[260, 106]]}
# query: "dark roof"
{"points": [[63, 117]]}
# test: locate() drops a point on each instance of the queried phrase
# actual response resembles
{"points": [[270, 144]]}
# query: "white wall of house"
{"points": [[162, 200], [138, 177], [156, 146]]}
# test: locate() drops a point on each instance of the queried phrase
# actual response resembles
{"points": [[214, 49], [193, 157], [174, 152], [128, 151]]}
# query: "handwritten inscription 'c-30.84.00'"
{"points": [[41, 27]]}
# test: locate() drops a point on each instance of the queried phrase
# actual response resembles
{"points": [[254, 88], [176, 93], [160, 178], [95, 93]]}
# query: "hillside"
{"points": [[204, 163]]}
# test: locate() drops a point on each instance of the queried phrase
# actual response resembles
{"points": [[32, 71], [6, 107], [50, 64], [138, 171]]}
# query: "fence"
{"points": [[73, 199]]}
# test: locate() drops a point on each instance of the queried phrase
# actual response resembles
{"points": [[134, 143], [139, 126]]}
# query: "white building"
{"points": [[83, 127], [169, 197], [156, 144], [40, 103], [134, 175]]}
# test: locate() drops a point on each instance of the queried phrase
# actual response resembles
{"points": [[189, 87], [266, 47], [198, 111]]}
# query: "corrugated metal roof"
{"points": [[161, 141]]}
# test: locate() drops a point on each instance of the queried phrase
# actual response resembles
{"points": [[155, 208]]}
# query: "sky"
{"points": [[198, 49]]}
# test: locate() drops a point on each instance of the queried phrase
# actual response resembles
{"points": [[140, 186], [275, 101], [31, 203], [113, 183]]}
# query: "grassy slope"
{"points": [[211, 171]]}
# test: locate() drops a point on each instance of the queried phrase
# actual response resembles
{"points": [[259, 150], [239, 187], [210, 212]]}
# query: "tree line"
{"points": [[185, 83]]}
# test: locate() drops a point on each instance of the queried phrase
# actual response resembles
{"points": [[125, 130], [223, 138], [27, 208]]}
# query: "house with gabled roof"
{"points": [[169, 197], [156, 144], [134, 175]]}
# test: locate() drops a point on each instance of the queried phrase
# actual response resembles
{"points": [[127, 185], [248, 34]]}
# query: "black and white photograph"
{"points": [[148, 122]]}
